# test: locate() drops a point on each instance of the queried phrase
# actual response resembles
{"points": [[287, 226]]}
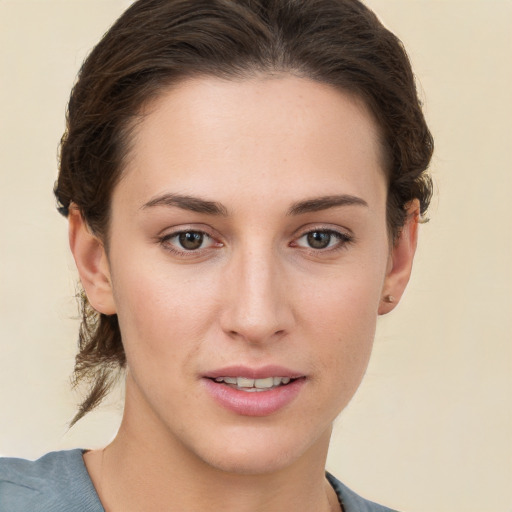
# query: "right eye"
{"points": [[187, 241]]}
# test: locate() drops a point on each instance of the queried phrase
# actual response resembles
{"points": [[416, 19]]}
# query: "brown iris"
{"points": [[191, 240], [319, 239]]}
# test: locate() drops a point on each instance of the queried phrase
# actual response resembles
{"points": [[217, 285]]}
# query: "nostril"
{"points": [[257, 337]]}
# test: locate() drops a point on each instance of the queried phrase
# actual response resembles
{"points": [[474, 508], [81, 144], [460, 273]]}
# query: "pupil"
{"points": [[319, 240], [191, 240]]}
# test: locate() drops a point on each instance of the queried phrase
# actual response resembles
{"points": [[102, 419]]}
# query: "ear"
{"points": [[92, 263], [400, 260]]}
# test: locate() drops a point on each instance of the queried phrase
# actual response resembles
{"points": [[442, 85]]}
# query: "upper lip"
{"points": [[254, 373]]}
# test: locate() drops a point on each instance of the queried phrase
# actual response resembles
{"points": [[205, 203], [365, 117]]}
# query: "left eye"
{"points": [[189, 240], [322, 239]]}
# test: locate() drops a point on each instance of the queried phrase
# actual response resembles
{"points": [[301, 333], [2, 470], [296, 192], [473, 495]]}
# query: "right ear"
{"points": [[91, 262]]}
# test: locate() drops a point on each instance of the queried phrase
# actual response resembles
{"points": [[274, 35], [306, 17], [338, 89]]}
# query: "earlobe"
{"points": [[400, 260], [92, 263]]}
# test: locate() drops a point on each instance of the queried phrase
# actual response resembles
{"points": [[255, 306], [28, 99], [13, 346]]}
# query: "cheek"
{"points": [[162, 316], [342, 317], [346, 333]]}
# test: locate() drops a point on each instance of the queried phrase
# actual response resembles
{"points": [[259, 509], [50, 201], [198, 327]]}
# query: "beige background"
{"points": [[431, 427]]}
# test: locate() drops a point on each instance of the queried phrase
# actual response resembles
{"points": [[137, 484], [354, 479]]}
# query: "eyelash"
{"points": [[165, 241], [343, 240]]}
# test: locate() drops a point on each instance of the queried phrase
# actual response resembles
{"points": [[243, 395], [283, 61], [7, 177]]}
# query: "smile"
{"points": [[254, 385]]}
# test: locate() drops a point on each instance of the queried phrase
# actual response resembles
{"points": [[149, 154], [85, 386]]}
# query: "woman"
{"points": [[243, 182]]}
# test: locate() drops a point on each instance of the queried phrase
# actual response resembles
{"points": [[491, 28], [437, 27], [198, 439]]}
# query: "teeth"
{"points": [[264, 383], [254, 384], [242, 382]]}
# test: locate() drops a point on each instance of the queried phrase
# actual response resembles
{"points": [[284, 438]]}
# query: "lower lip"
{"points": [[258, 403]]}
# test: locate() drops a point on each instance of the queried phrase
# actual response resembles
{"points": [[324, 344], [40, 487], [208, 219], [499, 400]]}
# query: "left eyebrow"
{"points": [[324, 203]]}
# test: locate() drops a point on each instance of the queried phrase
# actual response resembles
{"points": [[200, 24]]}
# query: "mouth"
{"points": [[254, 392]]}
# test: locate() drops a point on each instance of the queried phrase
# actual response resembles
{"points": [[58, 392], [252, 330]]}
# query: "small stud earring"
{"points": [[389, 299]]}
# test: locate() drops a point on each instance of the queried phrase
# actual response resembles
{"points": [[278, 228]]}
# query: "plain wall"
{"points": [[431, 426]]}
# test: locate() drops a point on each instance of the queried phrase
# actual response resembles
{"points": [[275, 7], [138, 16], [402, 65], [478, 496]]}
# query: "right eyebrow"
{"points": [[186, 202]]}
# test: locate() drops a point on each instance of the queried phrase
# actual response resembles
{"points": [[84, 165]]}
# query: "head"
{"points": [[161, 47]]}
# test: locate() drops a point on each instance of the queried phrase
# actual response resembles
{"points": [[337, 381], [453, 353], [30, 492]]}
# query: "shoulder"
{"points": [[58, 481], [351, 501]]}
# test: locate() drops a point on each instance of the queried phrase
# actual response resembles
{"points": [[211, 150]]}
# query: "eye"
{"points": [[323, 239], [188, 241]]}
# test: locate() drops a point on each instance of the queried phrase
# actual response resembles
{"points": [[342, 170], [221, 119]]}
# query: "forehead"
{"points": [[206, 135]]}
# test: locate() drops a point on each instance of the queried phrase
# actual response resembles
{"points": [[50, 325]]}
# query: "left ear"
{"points": [[400, 260]]}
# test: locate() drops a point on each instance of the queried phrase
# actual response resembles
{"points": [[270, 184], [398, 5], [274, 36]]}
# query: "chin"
{"points": [[258, 451], [250, 463]]}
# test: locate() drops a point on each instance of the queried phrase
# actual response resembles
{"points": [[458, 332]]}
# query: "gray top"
{"points": [[59, 482]]}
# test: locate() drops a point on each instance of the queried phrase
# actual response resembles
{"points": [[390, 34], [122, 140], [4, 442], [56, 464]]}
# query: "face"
{"points": [[248, 257]]}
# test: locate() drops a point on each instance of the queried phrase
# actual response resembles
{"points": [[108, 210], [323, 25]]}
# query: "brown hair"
{"points": [[159, 42]]}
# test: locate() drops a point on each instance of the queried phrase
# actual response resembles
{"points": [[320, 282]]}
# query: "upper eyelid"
{"points": [[324, 230], [309, 228], [332, 232], [180, 231], [174, 234], [341, 236], [169, 232]]}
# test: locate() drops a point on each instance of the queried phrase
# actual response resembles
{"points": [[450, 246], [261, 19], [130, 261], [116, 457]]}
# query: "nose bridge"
{"points": [[257, 309]]}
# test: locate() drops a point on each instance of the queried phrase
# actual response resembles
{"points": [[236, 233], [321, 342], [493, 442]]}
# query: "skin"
{"points": [[254, 293]]}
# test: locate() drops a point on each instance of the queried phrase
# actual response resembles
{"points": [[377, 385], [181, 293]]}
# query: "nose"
{"points": [[257, 308]]}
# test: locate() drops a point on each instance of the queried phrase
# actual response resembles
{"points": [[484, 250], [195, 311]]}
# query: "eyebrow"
{"points": [[196, 204], [190, 203], [324, 203]]}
